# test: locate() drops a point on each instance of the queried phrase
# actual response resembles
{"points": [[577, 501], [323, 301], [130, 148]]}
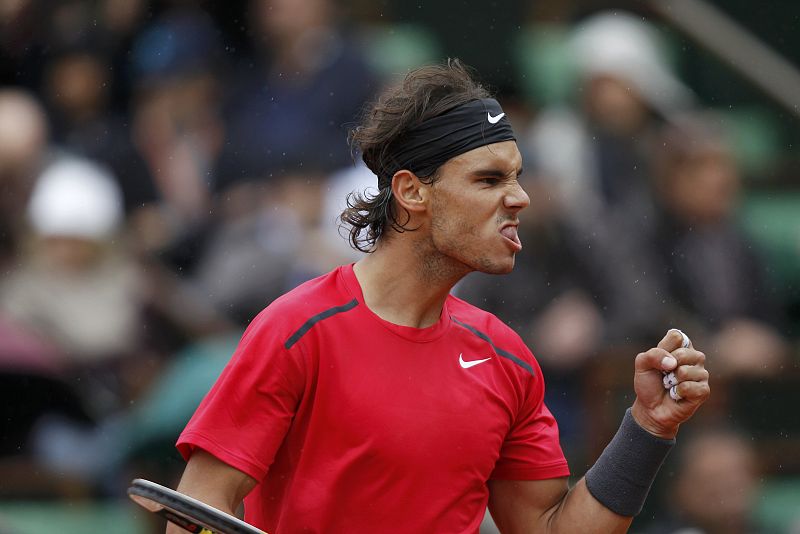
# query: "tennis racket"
{"points": [[186, 512]]}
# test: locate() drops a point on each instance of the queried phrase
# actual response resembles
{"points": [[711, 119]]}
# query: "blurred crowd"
{"points": [[168, 168]]}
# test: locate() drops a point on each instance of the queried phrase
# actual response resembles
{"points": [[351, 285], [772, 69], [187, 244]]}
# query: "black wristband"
{"points": [[622, 476]]}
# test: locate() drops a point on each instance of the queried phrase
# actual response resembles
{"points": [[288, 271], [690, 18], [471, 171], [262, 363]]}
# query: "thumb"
{"points": [[655, 358]]}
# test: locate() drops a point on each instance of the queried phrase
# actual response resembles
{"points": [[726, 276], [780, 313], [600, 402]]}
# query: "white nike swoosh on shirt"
{"points": [[472, 363], [494, 120]]}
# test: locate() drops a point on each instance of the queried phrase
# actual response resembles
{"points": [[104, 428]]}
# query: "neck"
{"points": [[405, 284]]}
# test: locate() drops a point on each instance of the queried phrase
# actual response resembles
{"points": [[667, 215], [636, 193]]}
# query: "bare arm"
{"points": [[549, 506], [524, 506], [213, 482]]}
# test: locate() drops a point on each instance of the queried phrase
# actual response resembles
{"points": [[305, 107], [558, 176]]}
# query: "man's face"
{"points": [[704, 189], [716, 486], [474, 207]]}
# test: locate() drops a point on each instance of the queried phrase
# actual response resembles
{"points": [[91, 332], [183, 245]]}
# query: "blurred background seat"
{"points": [[772, 218], [393, 49], [119, 517]]}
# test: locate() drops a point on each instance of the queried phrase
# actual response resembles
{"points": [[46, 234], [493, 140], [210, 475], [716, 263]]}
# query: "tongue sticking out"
{"points": [[511, 233]]}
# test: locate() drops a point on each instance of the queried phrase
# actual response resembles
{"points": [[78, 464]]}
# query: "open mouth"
{"points": [[512, 237]]}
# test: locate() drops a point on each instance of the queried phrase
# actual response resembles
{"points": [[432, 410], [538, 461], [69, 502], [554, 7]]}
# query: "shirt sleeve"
{"points": [[245, 416], [531, 450]]}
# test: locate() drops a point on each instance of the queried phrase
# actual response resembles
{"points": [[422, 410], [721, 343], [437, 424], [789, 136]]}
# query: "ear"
{"points": [[409, 192]]}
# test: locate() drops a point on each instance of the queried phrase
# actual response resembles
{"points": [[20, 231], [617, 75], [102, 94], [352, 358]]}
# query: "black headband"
{"points": [[424, 148]]}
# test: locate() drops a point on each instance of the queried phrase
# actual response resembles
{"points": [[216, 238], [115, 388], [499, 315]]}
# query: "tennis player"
{"points": [[372, 400]]}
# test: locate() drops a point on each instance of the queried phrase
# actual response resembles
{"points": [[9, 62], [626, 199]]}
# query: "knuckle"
{"points": [[699, 391], [690, 356], [658, 353], [681, 355], [640, 358]]}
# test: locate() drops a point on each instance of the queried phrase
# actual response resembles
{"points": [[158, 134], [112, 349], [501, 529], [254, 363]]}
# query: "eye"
{"points": [[490, 181]]}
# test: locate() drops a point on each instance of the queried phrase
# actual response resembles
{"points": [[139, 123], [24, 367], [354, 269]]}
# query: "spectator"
{"points": [[256, 255], [77, 288], [715, 487], [597, 157], [250, 258], [291, 101], [24, 150], [77, 86], [286, 133], [709, 272], [597, 154], [178, 130]]}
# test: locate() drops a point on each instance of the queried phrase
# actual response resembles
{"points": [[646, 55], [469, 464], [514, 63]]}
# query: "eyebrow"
{"points": [[494, 172]]}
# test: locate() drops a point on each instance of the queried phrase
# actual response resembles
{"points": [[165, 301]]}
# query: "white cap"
{"points": [[76, 198], [624, 46]]}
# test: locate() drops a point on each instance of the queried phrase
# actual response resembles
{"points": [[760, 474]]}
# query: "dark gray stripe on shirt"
{"points": [[317, 318], [500, 352]]}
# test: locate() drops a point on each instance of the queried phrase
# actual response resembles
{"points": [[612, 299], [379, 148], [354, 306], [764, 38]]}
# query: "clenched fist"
{"points": [[654, 409]]}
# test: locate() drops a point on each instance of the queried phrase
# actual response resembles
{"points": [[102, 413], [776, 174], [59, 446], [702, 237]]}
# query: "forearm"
{"points": [[213, 482], [516, 508], [579, 511], [615, 488], [205, 493], [606, 500]]}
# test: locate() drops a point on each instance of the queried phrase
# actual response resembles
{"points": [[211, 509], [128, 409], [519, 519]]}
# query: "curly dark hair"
{"points": [[424, 93]]}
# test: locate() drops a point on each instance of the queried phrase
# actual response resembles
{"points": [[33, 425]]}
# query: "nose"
{"points": [[516, 198]]}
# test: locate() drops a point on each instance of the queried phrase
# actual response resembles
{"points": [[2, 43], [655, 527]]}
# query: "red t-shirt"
{"points": [[354, 424]]}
